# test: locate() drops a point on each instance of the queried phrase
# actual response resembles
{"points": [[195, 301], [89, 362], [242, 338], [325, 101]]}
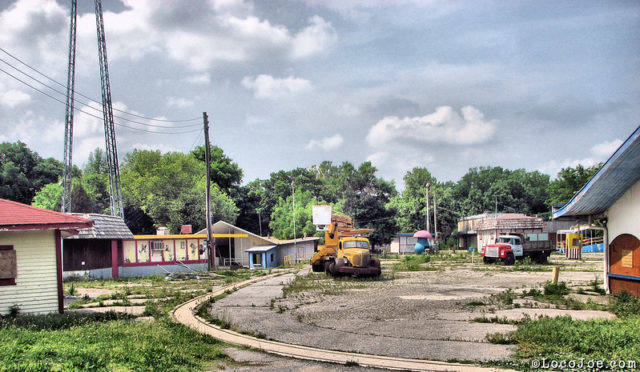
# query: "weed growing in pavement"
{"points": [[414, 262], [474, 303], [504, 298], [558, 289]]}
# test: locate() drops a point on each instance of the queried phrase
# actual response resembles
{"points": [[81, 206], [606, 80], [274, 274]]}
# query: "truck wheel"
{"points": [[509, 260], [333, 269], [327, 267], [542, 258], [317, 268], [487, 260]]}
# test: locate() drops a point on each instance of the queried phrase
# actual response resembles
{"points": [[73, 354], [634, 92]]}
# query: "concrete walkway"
{"points": [[185, 314]]}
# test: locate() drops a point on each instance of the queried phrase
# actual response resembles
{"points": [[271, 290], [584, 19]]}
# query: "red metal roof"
{"points": [[18, 216]]}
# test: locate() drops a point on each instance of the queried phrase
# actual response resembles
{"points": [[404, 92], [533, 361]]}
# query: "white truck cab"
{"points": [[506, 248]]}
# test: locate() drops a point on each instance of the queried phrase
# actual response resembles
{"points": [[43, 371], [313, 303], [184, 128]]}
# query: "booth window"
{"points": [[8, 265]]}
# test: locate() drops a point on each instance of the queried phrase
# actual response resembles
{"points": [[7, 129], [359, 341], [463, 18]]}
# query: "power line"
{"points": [[89, 98], [92, 115], [99, 111]]}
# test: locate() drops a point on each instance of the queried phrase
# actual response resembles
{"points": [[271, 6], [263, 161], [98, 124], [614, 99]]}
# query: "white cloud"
{"points": [[209, 32], [443, 126], [348, 109], [179, 102], [268, 87], [204, 78], [599, 153], [36, 31], [315, 38], [32, 128], [606, 149], [326, 143], [12, 98], [395, 164]]}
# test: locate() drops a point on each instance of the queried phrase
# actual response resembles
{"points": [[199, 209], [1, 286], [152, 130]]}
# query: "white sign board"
{"points": [[321, 215]]}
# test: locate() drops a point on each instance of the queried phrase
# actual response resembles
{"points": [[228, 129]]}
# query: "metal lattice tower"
{"points": [[68, 128], [115, 190]]}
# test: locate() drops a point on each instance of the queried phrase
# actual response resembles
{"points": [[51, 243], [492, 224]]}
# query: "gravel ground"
{"points": [[423, 314]]}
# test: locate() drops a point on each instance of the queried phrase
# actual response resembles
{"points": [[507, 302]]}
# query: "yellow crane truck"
{"points": [[346, 251]]}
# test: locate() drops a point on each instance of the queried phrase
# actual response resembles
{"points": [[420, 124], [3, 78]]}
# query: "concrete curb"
{"points": [[185, 314]]}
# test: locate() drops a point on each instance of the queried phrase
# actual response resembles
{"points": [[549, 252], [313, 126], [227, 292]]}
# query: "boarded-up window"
{"points": [[8, 265], [193, 249], [627, 258], [156, 250], [143, 251], [168, 250], [129, 248], [181, 250]]}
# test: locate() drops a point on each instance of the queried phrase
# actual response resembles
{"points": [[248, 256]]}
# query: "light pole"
{"points": [[293, 215], [428, 187]]}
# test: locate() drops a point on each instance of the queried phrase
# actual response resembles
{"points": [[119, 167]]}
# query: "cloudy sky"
{"points": [[445, 85]]}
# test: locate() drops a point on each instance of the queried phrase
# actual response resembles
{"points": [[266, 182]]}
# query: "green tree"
{"points": [[95, 179], [224, 172], [282, 217], [366, 200], [23, 172], [49, 197], [494, 189], [170, 188], [411, 204], [568, 182]]}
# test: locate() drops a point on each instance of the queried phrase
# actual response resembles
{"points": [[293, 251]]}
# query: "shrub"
{"points": [[624, 304], [559, 289]]}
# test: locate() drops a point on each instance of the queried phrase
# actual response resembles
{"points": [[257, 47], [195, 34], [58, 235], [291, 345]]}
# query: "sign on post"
{"points": [[321, 215]]}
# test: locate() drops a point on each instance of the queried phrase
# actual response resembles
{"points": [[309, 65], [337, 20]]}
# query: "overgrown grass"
{"points": [[564, 339], [92, 343], [414, 262], [50, 322], [324, 284]]}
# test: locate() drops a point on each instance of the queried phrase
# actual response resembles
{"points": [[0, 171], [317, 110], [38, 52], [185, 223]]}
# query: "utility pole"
{"points": [[207, 160], [293, 195], [68, 127], [435, 216], [259, 222], [428, 187]]}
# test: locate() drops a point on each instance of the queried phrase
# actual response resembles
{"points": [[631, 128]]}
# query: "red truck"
{"points": [[513, 246]]}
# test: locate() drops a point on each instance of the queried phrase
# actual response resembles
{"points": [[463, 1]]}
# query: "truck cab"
{"points": [[506, 248], [356, 250]]}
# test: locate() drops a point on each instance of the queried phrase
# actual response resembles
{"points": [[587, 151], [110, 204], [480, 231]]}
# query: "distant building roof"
{"points": [[104, 227], [18, 216], [291, 241], [261, 248], [616, 176]]}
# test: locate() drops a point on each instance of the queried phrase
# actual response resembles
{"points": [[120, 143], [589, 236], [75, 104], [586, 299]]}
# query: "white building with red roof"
{"points": [[31, 257]]}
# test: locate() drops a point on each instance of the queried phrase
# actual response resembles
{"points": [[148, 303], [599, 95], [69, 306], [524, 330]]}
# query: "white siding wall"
{"points": [[36, 289], [624, 214], [301, 250]]}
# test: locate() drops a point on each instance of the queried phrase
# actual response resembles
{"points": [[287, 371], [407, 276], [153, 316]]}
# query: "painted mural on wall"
{"points": [[148, 251]]}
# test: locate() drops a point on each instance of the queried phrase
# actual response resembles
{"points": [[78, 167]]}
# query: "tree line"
{"points": [[167, 189]]}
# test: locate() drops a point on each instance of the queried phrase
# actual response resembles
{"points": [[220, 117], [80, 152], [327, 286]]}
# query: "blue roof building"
{"points": [[613, 196]]}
